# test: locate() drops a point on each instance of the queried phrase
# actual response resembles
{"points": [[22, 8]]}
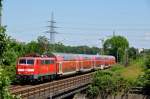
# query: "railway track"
{"points": [[51, 89], [21, 86], [18, 87]]}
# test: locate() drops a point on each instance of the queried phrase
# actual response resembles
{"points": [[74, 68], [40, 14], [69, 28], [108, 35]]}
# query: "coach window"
{"points": [[46, 62], [51, 61]]}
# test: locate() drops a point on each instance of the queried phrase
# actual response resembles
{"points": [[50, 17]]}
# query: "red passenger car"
{"points": [[59, 64]]}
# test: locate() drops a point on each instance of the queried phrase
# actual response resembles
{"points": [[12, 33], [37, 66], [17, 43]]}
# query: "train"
{"points": [[47, 67]]}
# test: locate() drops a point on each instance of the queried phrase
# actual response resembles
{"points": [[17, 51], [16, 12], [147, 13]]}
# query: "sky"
{"points": [[79, 22]]}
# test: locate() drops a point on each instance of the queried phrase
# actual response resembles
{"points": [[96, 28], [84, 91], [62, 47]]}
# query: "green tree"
{"points": [[13, 51], [10, 57], [43, 43], [116, 46], [32, 47], [18, 47], [3, 43], [1, 12], [133, 53]]}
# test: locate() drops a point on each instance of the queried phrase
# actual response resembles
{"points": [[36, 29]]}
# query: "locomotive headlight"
{"points": [[29, 70], [25, 70], [20, 70]]}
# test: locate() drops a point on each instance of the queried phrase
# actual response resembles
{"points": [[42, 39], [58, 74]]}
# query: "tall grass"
{"points": [[130, 72]]}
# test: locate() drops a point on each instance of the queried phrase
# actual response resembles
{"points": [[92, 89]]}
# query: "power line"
{"points": [[106, 29]]}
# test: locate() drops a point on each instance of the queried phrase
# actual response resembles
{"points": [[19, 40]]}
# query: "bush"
{"points": [[108, 83], [147, 62], [4, 84]]}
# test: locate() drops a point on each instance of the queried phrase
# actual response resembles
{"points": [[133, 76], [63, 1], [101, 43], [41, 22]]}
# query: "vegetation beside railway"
{"points": [[4, 84], [120, 79], [128, 73], [4, 78]]}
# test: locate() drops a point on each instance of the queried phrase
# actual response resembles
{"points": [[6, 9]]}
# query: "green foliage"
{"points": [[59, 47], [3, 43], [32, 47], [147, 62], [147, 79], [4, 83], [16, 46], [116, 80], [130, 73], [116, 46], [108, 83], [10, 71], [92, 91], [132, 53], [42, 43], [146, 76], [10, 57], [117, 68], [1, 7]]}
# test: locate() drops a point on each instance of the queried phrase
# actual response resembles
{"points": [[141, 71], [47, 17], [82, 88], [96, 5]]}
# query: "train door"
{"points": [[77, 65], [59, 65], [81, 65], [94, 64]]}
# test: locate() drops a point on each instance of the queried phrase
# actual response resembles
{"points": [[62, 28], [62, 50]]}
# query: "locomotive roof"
{"points": [[36, 58]]}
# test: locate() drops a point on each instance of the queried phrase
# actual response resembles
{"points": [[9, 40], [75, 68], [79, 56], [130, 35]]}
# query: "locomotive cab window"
{"points": [[30, 61], [26, 61], [22, 61], [46, 62]]}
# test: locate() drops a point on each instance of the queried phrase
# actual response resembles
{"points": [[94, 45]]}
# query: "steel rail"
{"points": [[54, 88]]}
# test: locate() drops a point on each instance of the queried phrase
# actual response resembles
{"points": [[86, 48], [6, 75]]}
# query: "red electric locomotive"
{"points": [[59, 64]]}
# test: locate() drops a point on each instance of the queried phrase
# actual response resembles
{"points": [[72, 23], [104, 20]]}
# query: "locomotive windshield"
{"points": [[26, 61]]}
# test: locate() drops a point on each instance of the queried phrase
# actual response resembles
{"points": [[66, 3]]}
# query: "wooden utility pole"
{"points": [[1, 12]]}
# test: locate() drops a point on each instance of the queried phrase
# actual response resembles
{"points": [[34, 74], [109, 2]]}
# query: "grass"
{"points": [[130, 72]]}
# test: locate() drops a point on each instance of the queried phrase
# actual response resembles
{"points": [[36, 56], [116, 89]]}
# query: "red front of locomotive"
{"points": [[25, 68], [35, 68]]}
